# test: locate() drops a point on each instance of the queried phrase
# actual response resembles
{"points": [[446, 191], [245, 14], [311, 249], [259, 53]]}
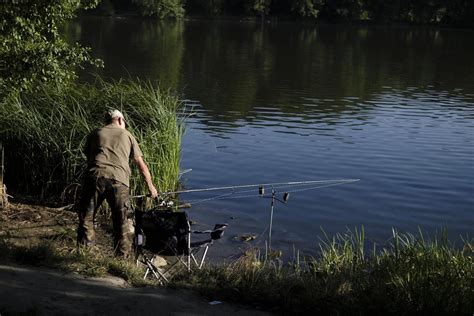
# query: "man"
{"points": [[108, 150]]}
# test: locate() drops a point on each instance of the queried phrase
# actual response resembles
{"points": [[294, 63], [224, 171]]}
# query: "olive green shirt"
{"points": [[108, 150]]}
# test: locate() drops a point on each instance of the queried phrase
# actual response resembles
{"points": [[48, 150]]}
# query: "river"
{"points": [[392, 106]]}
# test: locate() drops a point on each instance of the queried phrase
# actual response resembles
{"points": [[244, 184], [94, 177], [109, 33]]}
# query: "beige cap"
{"points": [[113, 113]]}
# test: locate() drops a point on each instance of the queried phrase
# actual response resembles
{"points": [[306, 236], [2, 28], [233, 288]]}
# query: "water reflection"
{"points": [[393, 106], [134, 47], [281, 64], [234, 68]]}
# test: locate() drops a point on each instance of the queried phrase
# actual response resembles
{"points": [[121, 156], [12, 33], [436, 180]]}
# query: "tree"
{"points": [[261, 7], [31, 48], [305, 8], [161, 8]]}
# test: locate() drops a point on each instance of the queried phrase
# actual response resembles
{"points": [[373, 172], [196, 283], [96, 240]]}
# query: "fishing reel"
{"points": [[286, 196], [261, 192]]}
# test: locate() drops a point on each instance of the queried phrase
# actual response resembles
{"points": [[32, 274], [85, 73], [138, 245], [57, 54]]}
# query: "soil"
{"points": [[40, 291], [27, 224]]}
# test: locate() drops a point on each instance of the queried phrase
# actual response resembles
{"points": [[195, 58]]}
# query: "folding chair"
{"points": [[168, 233]]}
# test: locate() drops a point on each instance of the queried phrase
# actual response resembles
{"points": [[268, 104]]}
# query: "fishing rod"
{"points": [[274, 184], [316, 184], [238, 195]]}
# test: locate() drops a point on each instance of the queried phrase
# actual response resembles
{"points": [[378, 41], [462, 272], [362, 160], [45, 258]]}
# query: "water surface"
{"points": [[392, 106]]}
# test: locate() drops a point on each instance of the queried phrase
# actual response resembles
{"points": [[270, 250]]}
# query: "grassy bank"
{"points": [[411, 275], [43, 132]]}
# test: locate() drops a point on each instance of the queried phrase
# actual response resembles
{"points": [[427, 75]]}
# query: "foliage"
{"points": [[31, 48], [161, 8], [305, 8], [412, 11], [446, 12], [411, 275], [453, 12], [44, 132], [258, 6]]}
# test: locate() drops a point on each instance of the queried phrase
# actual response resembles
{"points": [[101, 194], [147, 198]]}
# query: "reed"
{"points": [[410, 275], [44, 132]]}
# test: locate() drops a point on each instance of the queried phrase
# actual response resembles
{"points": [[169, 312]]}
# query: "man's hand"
{"points": [[146, 175], [153, 191]]}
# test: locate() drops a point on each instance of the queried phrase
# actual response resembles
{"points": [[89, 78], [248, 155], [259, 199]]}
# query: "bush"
{"points": [[161, 8]]}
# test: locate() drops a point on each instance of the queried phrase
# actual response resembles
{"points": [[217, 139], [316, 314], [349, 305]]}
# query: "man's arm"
{"points": [[146, 175]]}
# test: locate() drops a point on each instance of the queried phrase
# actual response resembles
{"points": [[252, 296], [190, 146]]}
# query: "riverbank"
{"points": [[41, 272], [414, 275]]}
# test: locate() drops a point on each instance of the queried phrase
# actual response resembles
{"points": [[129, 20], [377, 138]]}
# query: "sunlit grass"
{"points": [[44, 132], [410, 275]]}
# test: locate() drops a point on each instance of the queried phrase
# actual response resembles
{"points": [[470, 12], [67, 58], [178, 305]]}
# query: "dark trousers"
{"points": [[95, 190]]}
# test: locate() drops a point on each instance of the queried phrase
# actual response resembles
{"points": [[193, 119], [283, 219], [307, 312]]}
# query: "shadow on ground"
{"points": [[42, 292]]}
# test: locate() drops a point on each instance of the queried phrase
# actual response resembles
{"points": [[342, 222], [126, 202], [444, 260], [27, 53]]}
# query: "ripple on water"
{"points": [[407, 149]]}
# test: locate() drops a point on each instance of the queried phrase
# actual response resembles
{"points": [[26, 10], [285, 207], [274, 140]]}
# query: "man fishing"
{"points": [[108, 151]]}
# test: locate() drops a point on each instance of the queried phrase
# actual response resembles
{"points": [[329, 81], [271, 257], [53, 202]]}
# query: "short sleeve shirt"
{"points": [[108, 151]]}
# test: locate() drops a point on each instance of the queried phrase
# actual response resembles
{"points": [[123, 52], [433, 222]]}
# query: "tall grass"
{"points": [[44, 132], [410, 275]]}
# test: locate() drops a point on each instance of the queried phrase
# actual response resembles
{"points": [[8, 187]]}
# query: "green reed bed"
{"points": [[411, 275], [44, 132]]}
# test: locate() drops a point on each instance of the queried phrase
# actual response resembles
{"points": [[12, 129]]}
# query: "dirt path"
{"points": [[43, 292]]}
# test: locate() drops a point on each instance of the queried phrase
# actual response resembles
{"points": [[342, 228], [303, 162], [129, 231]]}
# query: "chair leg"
{"points": [[189, 250], [151, 267], [195, 261], [171, 267], [186, 264], [203, 257]]}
